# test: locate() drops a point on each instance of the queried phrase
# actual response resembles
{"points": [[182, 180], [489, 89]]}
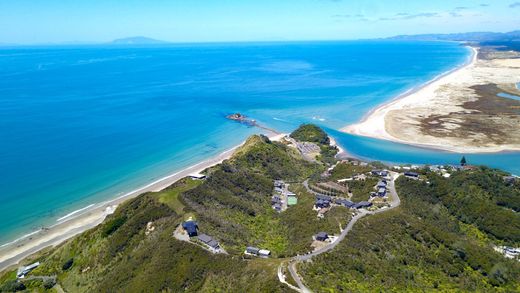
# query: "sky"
{"points": [[58, 21]]}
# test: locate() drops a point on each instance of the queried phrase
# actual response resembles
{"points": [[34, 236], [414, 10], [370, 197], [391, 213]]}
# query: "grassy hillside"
{"points": [[233, 205], [441, 237], [436, 240]]}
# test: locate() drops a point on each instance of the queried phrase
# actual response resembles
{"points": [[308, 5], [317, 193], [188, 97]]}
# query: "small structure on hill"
{"points": [[380, 173], [411, 175], [190, 227], [344, 202], [24, 270], [254, 251], [322, 236], [509, 180], [362, 205], [209, 241], [197, 176]]}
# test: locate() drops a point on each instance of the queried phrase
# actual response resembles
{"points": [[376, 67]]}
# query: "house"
{"points": [[362, 204], [381, 173], [412, 175], [252, 250], [323, 197], [197, 176], [209, 241], [276, 199], [381, 184], [381, 191], [509, 179], [264, 253], [278, 183], [22, 271], [344, 202], [190, 227], [204, 238], [277, 207], [292, 200], [320, 203], [322, 236]]}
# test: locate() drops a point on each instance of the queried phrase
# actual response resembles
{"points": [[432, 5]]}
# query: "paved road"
{"points": [[396, 201]]}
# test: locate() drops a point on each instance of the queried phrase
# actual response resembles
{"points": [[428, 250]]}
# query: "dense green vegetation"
{"points": [[311, 133], [361, 189], [347, 170], [441, 238], [233, 204], [431, 242]]}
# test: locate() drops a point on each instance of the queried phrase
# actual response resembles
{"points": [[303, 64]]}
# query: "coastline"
{"points": [[90, 216], [373, 123]]}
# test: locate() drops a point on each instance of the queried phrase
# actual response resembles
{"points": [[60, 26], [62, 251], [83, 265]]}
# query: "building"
{"points": [[277, 207], [278, 184], [344, 202], [190, 227], [322, 236], [381, 191], [412, 175], [292, 200], [209, 241], [381, 184], [22, 271], [509, 179], [362, 204], [197, 176], [264, 253], [251, 250], [323, 197], [381, 173], [320, 203]]}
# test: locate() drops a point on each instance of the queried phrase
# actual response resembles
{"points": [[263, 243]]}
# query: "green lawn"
{"points": [[170, 196]]}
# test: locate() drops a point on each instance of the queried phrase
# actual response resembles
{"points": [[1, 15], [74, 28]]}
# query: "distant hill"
{"points": [[513, 36], [137, 41]]}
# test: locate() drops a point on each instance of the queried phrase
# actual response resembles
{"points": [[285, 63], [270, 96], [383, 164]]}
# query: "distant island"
{"points": [[139, 40]]}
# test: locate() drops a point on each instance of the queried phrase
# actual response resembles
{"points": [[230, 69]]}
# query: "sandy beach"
{"points": [[401, 120], [87, 218]]}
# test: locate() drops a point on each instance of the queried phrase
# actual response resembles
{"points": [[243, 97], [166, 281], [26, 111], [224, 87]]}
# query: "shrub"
{"points": [[68, 264]]}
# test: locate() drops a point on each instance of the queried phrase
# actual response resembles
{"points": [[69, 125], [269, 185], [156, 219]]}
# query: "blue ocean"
{"points": [[80, 125]]}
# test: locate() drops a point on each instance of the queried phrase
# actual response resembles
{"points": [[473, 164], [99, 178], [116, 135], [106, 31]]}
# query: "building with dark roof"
{"points": [[190, 227], [362, 204], [204, 238], [322, 203], [322, 236], [411, 174], [252, 250], [344, 202]]}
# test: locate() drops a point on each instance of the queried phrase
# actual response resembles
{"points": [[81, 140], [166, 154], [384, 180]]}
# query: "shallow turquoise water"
{"points": [[79, 125], [509, 96]]}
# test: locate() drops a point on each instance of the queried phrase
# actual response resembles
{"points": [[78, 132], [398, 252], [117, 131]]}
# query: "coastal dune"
{"points": [[448, 112]]}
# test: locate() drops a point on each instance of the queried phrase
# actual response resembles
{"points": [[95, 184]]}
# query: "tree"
{"points": [[463, 161]]}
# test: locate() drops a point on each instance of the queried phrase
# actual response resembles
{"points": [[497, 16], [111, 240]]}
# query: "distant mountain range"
{"points": [[513, 36], [137, 41]]}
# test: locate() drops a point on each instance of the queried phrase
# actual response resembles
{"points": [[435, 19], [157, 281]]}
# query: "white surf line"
{"points": [[74, 213]]}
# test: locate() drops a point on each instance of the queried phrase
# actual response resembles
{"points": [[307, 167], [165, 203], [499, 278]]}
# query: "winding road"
{"points": [[396, 201]]}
